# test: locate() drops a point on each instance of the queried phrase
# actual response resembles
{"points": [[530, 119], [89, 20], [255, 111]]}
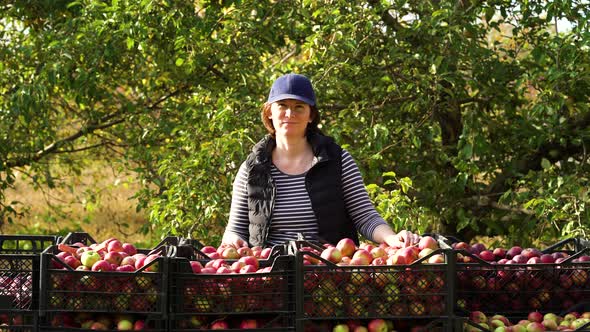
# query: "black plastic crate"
{"points": [[88, 321], [516, 289], [64, 289], [197, 300], [19, 280], [327, 291]]}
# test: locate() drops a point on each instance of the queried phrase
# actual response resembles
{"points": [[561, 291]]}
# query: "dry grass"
{"points": [[97, 202]]}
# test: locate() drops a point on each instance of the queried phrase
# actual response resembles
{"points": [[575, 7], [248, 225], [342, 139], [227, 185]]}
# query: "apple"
{"points": [[265, 253], [249, 324], [247, 269], [360, 329], [478, 317], [98, 326], [409, 254], [535, 327], [436, 259], [428, 242], [396, 259], [547, 258], [208, 250], [125, 268], [487, 255], [72, 261], [128, 260], [361, 257], [125, 324], [114, 245], [150, 259], [88, 258], [219, 325], [331, 254], [139, 325], [230, 253], [245, 251], [341, 328], [101, 265], [113, 257], [535, 316], [250, 260], [499, 253], [377, 325], [346, 246], [425, 252], [515, 250], [476, 248], [550, 324], [378, 252]]}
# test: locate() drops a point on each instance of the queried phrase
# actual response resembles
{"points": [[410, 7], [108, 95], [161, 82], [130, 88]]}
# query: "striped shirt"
{"points": [[292, 211]]}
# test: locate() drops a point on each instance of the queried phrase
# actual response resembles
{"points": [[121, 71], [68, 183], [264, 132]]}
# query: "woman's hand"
{"points": [[402, 239], [235, 242]]}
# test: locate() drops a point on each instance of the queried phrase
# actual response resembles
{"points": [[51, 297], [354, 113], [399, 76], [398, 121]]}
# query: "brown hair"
{"points": [[312, 126]]}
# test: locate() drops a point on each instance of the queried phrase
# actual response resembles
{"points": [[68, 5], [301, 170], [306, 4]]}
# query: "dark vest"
{"points": [[323, 182]]}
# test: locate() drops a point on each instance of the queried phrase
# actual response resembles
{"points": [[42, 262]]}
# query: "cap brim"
{"points": [[290, 96]]}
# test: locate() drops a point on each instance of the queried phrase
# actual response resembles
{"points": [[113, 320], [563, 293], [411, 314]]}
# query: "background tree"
{"points": [[466, 117]]}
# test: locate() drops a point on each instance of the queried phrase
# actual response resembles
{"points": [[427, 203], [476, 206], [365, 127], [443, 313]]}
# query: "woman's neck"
{"points": [[292, 147]]}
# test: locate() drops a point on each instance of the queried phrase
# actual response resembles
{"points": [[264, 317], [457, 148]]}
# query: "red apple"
{"points": [[139, 325], [535, 316], [129, 260], [499, 253], [245, 251], [250, 260], [114, 245], [332, 254], [428, 242], [265, 253], [377, 325], [129, 249], [125, 268], [346, 246], [72, 261], [247, 269], [487, 255], [196, 266], [230, 253], [361, 257], [515, 250], [219, 325], [249, 324], [113, 257], [150, 262], [101, 265]]}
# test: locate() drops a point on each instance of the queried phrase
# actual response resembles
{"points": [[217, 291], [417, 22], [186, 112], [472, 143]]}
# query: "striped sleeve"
{"points": [[238, 223], [357, 201]]}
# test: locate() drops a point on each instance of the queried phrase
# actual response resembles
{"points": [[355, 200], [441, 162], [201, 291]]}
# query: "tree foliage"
{"points": [[466, 117]]}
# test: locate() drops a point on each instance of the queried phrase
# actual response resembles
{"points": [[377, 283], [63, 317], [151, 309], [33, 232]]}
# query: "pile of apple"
{"points": [[101, 322], [225, 323], [111, 275], [109, 255], [234, 279], [535, 322], [230, 251], [519, 279], [346, 252], [369, 325], [371, 280], [18, 287]]}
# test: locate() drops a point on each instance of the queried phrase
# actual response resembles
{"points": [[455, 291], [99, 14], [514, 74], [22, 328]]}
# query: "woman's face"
{"points": [[290, 117]]}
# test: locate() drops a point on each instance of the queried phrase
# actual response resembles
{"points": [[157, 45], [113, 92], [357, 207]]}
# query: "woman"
{"points": [[298, 181]]}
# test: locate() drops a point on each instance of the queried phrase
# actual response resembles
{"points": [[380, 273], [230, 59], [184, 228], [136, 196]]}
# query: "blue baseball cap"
{"points": [[292, 86]]}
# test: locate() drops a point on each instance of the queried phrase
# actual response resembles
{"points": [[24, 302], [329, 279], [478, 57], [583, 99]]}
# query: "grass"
{"points": [[97, 202]]}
